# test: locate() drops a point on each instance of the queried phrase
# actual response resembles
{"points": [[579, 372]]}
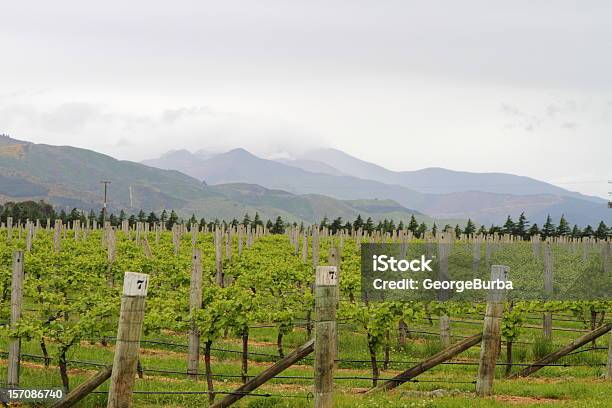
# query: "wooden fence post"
{"points": [[9, 228], [548, 287], [609, 372], [195, 303], [218, 257], [135, 287], [491, 336], [315, 245], [326, 300], [443, 253], [16, 301]]}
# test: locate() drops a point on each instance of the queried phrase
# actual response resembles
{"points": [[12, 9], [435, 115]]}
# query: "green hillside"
{"points": [[70, 177]]}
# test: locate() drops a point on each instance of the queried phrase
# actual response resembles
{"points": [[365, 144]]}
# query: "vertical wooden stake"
{"points": [[315, 245], [9, 228], [218, 257], [443, 253], [135, 287], [548, 287], [491, 336], [304, 247], [16, 301], [195, 304], [609, 372], [326, 300], [29, 236]]}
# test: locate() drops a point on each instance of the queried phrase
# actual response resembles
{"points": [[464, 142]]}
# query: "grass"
{"points": [[572, 386]]}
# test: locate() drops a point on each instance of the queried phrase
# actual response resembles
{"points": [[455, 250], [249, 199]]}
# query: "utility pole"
{"points": [[106, 183]]}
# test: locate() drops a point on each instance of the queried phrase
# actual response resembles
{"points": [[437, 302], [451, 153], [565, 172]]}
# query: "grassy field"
{"points": [[579, 384]]}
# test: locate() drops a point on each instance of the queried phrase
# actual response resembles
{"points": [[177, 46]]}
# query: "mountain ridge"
{"points": [[331, 178], [69, 177]]}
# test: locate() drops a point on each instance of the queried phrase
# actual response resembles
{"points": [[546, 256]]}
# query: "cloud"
{"points": [[569, 126], [519, 119]]}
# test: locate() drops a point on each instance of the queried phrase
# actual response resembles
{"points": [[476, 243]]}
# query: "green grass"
{"points": [[580, 386]]}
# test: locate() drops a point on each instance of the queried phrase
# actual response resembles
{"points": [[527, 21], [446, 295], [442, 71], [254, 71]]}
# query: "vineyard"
{"points": [[224, 307]]}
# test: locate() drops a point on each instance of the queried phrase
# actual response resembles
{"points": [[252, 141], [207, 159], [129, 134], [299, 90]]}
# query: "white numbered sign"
{"points": [[135, 284]]}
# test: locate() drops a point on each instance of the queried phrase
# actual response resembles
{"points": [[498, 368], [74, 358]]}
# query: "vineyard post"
{"points": [[609, 372], [16, 301], [548, 287], [56, 235], [304, 247], [9, 228], [326, 300], [443, 253], [315, 245], [240, 233], [135, 287], [491, 336], [29, 235], [218, 257], [195, 303], [475, 254]]}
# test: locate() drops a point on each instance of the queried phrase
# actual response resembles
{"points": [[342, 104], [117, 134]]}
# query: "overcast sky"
{"points": [[524, 87]]}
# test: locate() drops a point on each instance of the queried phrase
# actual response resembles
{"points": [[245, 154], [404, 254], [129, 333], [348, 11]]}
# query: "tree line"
{"points": [[522, 227]]}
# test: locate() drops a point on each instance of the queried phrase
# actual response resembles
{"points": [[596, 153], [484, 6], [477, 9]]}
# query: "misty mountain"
{"points": [[240, 166], [70, 177], [484, 197], [438, 180]]}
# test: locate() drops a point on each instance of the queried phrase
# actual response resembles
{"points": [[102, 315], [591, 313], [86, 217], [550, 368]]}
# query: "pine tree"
{"points": [[270, 226], [369, 225], [278, 227], [548, 229], [413, 225], [91, 216], [192, 220], [132, 220], [164, 217], [202, 223], [457, 231], [422, 230], [508, 227], [391, 226], [482, 230], [470, 228], [152, 218], [588, 231], [520, 228], [358, 222], [246, 221], [257, 221], [112, 219], [400, 226], [142, 217], [576, 232], [348, 227], [325, 222], [121, 217], [534, 230], [172, 219], [434, 229], [336, 225], [602, 231], [563, 228]]}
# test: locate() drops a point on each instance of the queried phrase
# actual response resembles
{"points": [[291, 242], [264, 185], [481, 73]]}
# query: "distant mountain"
{"points": [[240, 166], [70, 177], [484, 197], [435, 180]]}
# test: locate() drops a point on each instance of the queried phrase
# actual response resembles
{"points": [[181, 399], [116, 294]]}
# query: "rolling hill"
{"points": [[70, 177], [484, 197]]}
